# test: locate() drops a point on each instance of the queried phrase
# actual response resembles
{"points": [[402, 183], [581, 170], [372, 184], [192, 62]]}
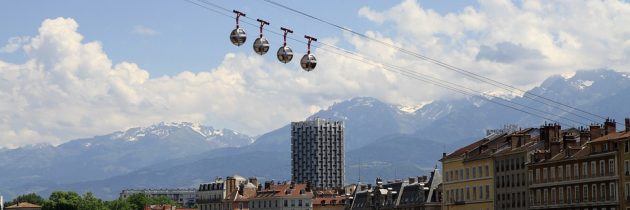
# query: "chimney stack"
{"points": [[610, 126], [412, 180], [627, 124], [595, 131]]}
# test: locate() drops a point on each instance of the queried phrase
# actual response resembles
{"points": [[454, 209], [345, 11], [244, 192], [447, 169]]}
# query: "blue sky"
{"points": [[72, 69], [186, 37]]}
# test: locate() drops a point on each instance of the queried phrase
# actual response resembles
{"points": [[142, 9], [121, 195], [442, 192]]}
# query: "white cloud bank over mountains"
{"points": [[69, 89]]}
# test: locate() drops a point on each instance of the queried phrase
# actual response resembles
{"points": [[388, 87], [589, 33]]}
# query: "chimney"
{"points": [[555, 148], [412, 180], [610, 126], [595, 131], [627, 124], [253, 180], [585, 136]]}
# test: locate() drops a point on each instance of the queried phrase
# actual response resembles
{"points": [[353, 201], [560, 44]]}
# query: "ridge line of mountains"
{"points": [[384, 140]]}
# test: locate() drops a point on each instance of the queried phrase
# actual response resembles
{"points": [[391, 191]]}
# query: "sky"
{"points": [[73, 69]]}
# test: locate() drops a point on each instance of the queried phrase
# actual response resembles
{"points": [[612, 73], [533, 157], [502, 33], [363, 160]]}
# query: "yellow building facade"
{"points": [[469, 177]]}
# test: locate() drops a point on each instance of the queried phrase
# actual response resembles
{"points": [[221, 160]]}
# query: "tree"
{"points": [[89, 202], [120, 204], [62, 201], [30, 198], [139, 200]]}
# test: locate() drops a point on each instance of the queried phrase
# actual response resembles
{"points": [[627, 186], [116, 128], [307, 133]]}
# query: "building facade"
{"points": [[576, 169], [183, 197], [222, 194], [469, 175], [510, 170], [419, 193], [286, 196], [317, 153]]}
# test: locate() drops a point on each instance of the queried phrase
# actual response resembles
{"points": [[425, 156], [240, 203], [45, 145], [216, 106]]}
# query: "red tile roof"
{"points": [[612, 136], [282, 190]]}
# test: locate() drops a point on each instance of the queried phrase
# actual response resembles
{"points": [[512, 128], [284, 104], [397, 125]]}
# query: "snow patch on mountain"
{"points": [[411, 109]]}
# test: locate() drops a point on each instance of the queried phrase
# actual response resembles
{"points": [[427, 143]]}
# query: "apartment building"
{"points": [[576, 169], [317, 153], [469, 175]]}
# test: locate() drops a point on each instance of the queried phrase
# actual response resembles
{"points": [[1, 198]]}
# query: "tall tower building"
{"points": [[317, 153]]}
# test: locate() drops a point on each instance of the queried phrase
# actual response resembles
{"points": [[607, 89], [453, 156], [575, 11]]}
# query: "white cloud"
{"points": [[143, 30], [14, 43], [519, 43], [69, 89]]}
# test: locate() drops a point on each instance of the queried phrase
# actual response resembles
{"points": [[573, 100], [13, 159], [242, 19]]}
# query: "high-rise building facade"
{"points": [[317, 153]]}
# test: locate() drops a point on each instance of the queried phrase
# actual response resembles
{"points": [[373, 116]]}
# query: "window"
{"points": [[487, 171], [611, 167], [552, 176], [531, 176], [593, 168], [585, 193], [544, 175], [576, 171], [584, 169], [467, 173], [560, 172], [625, 147], [474, 193], [300, 202], [292, 203], [487, 192], [479, 171], [626, 168], [545, 198], [560, 195], [602, 189], [627, 190], [467, 193], [538, 200], [612, 194], [602, 167], [286, 203], [480, 192], [569, 195], [553, 195], [537, 175], [577, 192], [474, 173], [594, 192]]}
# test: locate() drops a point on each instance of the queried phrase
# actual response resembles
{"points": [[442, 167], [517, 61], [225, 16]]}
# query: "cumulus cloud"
{"points": [[14, 43], [69, 88], [143, 30], [518, 42]]}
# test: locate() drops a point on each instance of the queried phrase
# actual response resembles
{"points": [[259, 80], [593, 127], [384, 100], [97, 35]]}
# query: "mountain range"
{"points": [[382, 139]]}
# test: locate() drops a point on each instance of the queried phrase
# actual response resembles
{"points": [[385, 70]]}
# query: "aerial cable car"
{"points": [[261, 45], [238, 36], [285, 54], [308, 61]]}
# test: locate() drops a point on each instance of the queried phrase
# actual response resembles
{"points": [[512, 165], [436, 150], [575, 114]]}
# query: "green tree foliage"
{"points": [[62, 201], [30, 198], [119, 204], [89, 202], [73, 201]]}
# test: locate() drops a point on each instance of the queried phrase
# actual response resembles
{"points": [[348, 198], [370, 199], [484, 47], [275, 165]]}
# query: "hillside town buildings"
{"points": [[183, 197]]}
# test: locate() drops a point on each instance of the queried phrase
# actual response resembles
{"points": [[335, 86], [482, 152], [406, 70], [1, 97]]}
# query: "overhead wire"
{"points": [[527, 94], [410, 74]]}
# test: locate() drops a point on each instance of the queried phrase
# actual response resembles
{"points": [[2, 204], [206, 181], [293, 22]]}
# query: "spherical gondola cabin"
{"points": [[308, 62], [261, 44], [285, 54], [238, 36]]}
